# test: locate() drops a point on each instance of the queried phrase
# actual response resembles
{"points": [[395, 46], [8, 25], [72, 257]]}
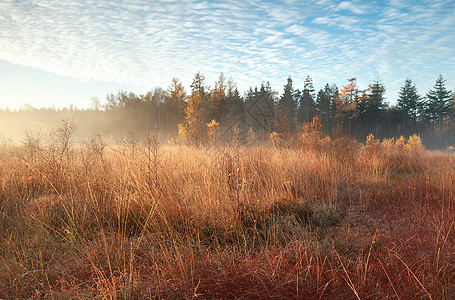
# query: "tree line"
{"points": [[357, 112], [206, 112]]}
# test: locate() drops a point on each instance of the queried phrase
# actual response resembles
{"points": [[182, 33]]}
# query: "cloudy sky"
{"points": [[66, 51]]}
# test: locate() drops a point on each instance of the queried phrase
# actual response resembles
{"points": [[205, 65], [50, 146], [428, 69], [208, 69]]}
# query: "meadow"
{"points": [[328, 219]]}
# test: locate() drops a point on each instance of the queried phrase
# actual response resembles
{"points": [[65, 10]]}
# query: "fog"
{"points": [[111, 125]]}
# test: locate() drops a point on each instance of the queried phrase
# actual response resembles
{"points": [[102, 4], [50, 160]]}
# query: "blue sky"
{"points": [[64, 52]]}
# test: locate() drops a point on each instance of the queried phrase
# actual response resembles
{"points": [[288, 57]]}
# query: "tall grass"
{"points": [[153, 221]]}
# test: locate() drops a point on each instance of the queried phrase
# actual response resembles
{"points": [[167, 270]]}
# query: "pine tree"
{"points": [[173, 107], [270, 94], [307, 105], [325, 102], [334, 92], [440, 104], [251, 95], [267, 100], [198, 84], [288, 102], [260, 107], [375, 104], [235, 105], [217, 106], [410, 103], [177, 95]]}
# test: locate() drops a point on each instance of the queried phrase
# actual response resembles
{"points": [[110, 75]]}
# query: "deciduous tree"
{"points": [[347, 101], [193, 129]]}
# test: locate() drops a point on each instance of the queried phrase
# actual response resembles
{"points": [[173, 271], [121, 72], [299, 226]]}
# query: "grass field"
{"points": [[177, 222]]}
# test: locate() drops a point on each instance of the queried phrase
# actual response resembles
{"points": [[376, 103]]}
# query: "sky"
{"points": [[62, 52]]}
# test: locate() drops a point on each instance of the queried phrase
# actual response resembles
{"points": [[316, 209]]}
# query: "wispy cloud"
{"points": [[147, 43], [354, 8]]}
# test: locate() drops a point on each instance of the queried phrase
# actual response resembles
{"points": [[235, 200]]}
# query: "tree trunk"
{"points": [[404, 124], [440, 130]]}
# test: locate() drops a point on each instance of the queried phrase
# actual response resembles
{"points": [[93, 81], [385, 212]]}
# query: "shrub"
{"points": [[311, 136], [372, 145], [414, 143]]}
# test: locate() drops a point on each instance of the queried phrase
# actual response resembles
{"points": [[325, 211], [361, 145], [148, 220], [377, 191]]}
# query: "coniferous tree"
{"points": [[234, 102], [251, 95], [173, 107], [324, 106], [260, 103], [440, 104], [268, 98], [307, 105], [269, 92], [217, 105], [151, 107], [288, 102], [409, 102], [374, 105], [334, 92], [198, 84]]}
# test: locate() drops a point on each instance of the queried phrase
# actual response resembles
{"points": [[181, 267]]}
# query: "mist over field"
{"points": [[175, 114]]}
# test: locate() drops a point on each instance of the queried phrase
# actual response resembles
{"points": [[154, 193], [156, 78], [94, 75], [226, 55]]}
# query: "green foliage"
{"points": [[440, 104], [350, 111], [172, 106], [326, 106], [307, 104], [288, 102], [372, 106], [440, 100], [411, 105]]}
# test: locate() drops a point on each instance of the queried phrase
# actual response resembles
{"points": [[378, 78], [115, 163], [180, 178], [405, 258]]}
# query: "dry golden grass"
{"points": [[135, 222]]}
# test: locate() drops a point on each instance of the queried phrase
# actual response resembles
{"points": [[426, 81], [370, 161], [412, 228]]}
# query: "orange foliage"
{"points": [[213, 131], [192, 129], [372, 145], [311, 136], [412, 144]]}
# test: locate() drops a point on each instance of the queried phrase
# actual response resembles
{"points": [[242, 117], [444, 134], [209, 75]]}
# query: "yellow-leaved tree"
{"points": [[192, 130], [346, 102], [213, 132]]}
